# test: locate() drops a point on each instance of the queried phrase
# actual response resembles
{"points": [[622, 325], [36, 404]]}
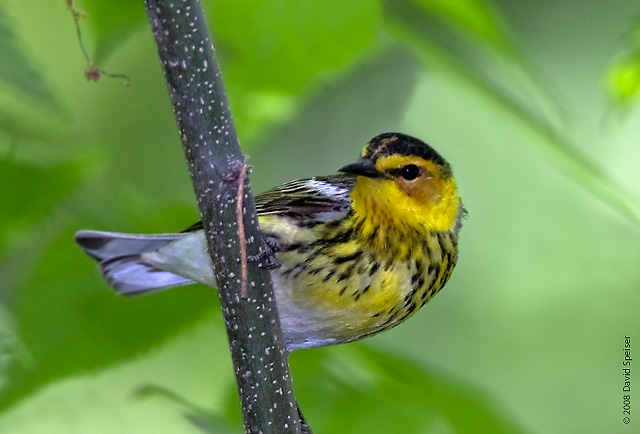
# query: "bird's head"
{"points": [[404, 183]]}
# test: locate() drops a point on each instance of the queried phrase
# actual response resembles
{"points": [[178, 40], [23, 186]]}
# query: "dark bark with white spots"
{"points": [[217, 166]]}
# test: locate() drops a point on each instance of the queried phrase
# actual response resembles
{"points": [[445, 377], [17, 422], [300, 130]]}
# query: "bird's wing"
{"points": [[321, 198], [312, 196]]}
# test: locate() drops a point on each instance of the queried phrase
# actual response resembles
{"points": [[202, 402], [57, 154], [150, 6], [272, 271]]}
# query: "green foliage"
{"points": [[49, 184], [28, 107], [473, 16], [625, 79], [624, 75], [478, 63], [371, 391], [298, 41], [547, 282], [16, 72], [113, 23]]}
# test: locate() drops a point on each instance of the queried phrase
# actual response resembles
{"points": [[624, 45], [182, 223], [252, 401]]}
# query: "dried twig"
{"points": [[241, 235], [91, 72]]}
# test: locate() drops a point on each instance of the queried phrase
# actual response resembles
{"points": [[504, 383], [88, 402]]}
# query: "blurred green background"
{"points": [[534, 104]]}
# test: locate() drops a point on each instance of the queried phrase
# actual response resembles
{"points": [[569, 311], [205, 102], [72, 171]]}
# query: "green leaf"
{"points": [[16, 70], [163, 391], [271, 51], [31, 192], [624, 74], [283, 45], [71, 322], [28, 107], [474, 16], [624, 79], [358, 389], [112, 22], [469, 33]]}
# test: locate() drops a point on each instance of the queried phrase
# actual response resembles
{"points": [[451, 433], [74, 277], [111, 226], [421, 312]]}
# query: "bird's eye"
{"points": [[410, 172]]}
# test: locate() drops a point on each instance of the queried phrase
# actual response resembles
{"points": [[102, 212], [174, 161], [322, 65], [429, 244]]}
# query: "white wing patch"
{"points": [[327, 189]]}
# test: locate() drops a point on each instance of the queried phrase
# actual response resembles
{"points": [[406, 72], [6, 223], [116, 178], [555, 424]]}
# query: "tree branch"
{"points": [[218, 171]]}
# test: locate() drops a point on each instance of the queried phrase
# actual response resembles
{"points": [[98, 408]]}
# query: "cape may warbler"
{"points": [[359, 252]]}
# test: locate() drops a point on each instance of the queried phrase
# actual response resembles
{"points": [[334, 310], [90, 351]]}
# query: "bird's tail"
{"points": [[138, 264]]}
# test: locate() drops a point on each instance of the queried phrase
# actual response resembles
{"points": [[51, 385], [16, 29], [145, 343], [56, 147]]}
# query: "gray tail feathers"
{"points": [[121, 261]]}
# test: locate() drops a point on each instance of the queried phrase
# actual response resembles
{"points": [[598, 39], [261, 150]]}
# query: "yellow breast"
{"points": [[343, 291]]}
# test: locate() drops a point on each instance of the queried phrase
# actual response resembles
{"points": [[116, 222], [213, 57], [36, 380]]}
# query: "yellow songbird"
{"points": [[358, 252]]}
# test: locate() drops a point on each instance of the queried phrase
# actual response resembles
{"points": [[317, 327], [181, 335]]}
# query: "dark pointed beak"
{"points": [[362, 167]]}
